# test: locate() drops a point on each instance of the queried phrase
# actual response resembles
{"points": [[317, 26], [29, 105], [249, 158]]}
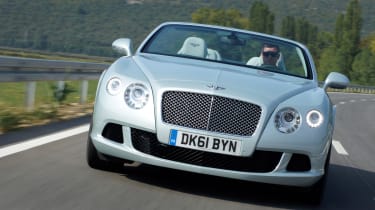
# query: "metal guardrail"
{"points": [[356, 89], [353, 89], [13, 69]]}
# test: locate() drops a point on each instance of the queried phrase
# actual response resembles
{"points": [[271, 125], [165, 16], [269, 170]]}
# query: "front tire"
{"points": [[92, 155], [316, 192], [100, 161]]}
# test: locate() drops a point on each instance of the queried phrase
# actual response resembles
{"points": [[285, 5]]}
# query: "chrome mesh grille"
{"points": [[209, 112]]}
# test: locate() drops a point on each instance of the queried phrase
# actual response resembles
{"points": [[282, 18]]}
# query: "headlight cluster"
{"points": [[136, 95], [288, 120]]}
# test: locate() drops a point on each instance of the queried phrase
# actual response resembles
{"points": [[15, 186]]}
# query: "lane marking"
{"points": [[342, 102], [339, 148], [12, 149], [352, 101], [364, 100]]}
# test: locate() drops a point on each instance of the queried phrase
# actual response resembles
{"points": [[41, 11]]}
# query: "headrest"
{"points": [[194, 46]]}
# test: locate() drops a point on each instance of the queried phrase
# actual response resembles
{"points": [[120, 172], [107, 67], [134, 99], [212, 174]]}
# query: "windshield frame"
{"points": [[303, 52]]}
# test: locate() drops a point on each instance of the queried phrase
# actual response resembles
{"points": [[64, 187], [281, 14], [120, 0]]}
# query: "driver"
{"points": [[269, 57]]}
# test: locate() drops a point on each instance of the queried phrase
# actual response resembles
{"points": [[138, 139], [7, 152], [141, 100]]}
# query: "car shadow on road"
{"points": [[347, 188]]}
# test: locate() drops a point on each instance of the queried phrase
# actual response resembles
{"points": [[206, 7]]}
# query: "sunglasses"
{"points": [[273, 54]]}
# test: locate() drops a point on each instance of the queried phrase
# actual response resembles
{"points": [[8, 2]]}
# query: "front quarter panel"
{"points": [[112, 108], [305, 140]]}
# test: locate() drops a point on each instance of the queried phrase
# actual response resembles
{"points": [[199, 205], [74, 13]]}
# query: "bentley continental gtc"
{"points": [[217, 101]]}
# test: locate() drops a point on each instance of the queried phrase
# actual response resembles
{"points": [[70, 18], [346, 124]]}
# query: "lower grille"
{"points": [[113, 132], [299, 163], [260, 161]]}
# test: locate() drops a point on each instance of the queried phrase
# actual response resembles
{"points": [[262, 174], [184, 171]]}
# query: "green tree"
{"points": [[364, 68], [372, 45], [348, 36], [328, 62], [301, 30], [324, 41], [339, 30], [261, 18], [353, 25], [229, 17], [335, 59], [346, 43], [288, 27], [305, 32], [369, 42]]}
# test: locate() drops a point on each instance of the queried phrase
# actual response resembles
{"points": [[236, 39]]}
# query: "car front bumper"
{"points": [[266, 170]]}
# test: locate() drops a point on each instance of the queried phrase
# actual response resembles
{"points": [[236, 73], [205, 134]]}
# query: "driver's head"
{"points": [[270, 54]]}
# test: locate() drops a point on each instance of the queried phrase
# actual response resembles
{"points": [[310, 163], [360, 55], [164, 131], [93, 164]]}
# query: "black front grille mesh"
{"points": [[260, 161], [211, 113]]}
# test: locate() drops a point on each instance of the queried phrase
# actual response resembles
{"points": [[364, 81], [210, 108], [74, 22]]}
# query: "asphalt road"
{"points": [[56, 176]]}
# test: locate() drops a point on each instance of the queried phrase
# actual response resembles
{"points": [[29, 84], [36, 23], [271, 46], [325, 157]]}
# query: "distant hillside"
{"points": [[90, 26]]}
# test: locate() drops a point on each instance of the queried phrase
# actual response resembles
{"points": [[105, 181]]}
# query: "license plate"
{"points": [[205, 143]]}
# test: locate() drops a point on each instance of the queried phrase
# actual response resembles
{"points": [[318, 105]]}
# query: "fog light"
{"points": [[114, 86]]}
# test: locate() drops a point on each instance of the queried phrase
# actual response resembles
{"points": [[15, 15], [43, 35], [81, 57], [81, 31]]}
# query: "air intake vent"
{"points": [[113, 132]]}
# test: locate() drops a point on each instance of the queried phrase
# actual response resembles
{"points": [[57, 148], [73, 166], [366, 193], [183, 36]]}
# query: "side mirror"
{"points": [[336, 80], [123, 46]]}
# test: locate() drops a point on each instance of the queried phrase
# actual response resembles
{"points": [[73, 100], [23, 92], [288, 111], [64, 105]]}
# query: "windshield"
{"points": [[230, 47]]}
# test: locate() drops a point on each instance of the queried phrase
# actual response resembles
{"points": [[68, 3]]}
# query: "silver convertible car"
{"points": [[217, 101]]}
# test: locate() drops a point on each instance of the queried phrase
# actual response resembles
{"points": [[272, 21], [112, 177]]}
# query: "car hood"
{"points": [[266, 89]]}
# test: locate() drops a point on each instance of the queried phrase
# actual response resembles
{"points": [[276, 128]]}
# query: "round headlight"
{"points": [[314, 118], [136, 96], [287, 120], [114, 86]]}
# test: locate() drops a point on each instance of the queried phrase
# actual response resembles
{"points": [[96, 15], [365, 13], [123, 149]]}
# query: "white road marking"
{"points": [[342, 102], [352, 101], [363, 100], [12, 149], [339, 148]]}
